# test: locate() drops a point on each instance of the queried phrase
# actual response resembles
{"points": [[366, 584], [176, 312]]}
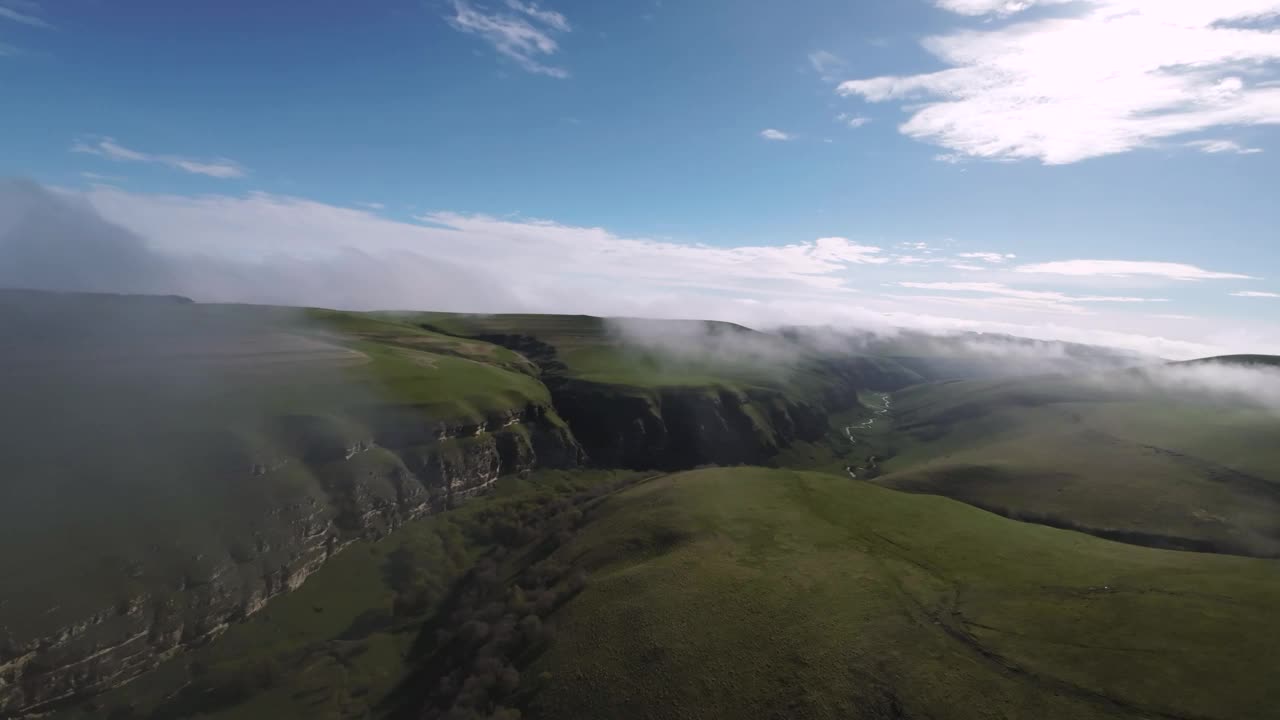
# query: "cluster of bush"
{"points": [[500, 618]]}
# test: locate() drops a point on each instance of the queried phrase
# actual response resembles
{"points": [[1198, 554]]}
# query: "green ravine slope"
{"points": [[499, 513], [678, 393], [758, 593], [171, 466], [1157, 468]]}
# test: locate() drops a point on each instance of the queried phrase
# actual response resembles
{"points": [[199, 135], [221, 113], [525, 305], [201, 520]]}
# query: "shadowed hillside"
{"points": [[1179, 456]]}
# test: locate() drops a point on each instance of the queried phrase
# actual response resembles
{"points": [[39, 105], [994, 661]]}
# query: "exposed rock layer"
{"points": [[404, 469]]}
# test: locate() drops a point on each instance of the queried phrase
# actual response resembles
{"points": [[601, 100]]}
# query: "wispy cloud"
{"points": [[990, 257], [100, 178], [1256, 294], [1152, 71], [1127, 268], [522, 33], [853, 121], [1223, 146], [372, 205], [26, 13], [108, 148], [828, 65], [550, 18], [774, 134], [993, 7], [1006, 291]]}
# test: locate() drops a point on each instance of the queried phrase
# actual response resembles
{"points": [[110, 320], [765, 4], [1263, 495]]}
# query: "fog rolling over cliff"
{"points": [[54, 240], [169, 466]]}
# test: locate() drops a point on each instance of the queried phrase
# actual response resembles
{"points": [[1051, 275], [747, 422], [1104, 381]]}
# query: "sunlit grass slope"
{"points": [[779, 594]]}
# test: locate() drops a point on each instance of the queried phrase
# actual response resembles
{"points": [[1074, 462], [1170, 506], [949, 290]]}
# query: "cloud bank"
{"points": [[285, 250]]}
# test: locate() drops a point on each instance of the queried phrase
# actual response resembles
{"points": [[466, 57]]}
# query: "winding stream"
{"points": [[866, 425]]}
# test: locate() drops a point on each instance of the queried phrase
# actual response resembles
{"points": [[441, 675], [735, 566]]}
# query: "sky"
{"points": [[1088, 170]]}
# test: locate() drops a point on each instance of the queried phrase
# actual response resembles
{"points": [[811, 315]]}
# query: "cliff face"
{"points": [[680, 428], [403, 469], [311, 484]]}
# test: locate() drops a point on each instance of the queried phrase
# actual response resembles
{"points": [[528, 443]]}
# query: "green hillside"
{"points": [[175, 471], [674, 394], [754, 593], [168, 465], [1128, 461], [642, 353]]}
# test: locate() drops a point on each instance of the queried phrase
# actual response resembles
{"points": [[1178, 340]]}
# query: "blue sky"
{"points": [[662, 157]]}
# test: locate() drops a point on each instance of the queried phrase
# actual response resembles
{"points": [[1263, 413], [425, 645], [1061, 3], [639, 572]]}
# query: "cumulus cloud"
{"points": [[108, 148], [1127, 268], [524, 33], [1098, 77], [774, 134]]}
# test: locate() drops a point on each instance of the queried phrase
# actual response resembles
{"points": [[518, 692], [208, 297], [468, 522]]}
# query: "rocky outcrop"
{"points": [[400, 469]]}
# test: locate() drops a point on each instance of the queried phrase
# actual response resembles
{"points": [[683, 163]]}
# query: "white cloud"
{"points": [[523, 35], [990, 257], [550, 18], [853, 121], [1128, 268], [288, 250], [1223, 146], [772, 134], [372, 205], [1255, 294], [99, 177], [26, 16], [1053, 297], [1107, 77], [966, 267], [108, 148], [827, 64], [821, 60], [993, 7]]}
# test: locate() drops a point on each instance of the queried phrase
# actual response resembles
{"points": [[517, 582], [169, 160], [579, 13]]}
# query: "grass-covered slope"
{"points": [[169, 465], [772, 594], [345, 643], [678, 393], [1160, 464]]}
